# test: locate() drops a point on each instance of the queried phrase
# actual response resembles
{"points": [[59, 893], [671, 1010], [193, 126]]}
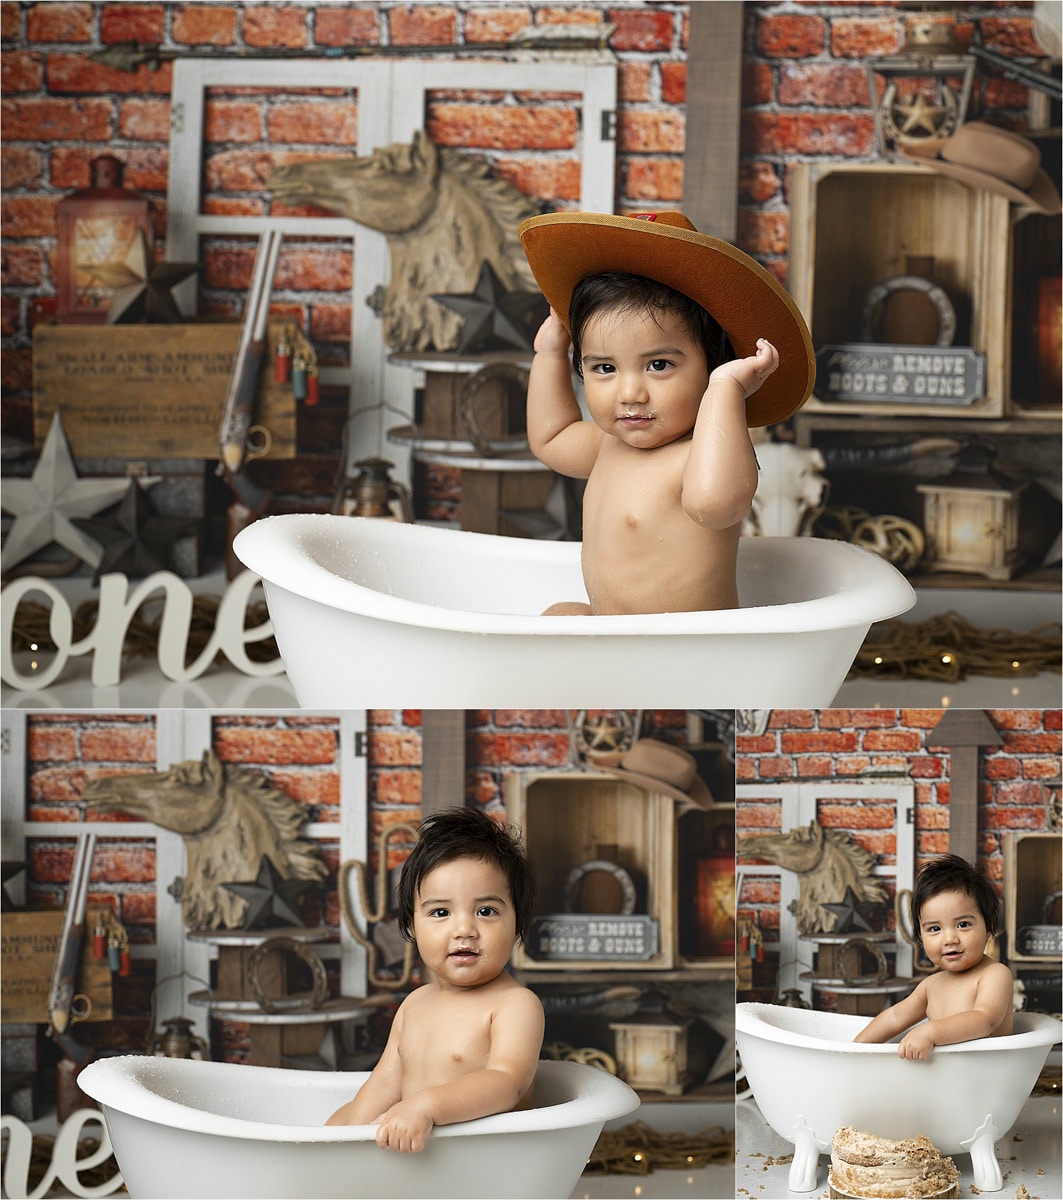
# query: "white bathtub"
{"points": [[375, 613], [809, 1079], [181, 1127]]}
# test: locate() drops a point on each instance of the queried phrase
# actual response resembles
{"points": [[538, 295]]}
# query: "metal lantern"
{"points": [[651, 1048], [373, 493]]}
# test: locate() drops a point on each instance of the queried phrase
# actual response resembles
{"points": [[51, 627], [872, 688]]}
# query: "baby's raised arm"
{"points": [[895, 1019], [558, 435], [381, 1090], [516, 1038], [720, 478]]}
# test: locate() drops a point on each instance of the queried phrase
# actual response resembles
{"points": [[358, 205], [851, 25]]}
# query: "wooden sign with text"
{"points": [[29, 943], [149, 391], [564, 936], [911, 375]]}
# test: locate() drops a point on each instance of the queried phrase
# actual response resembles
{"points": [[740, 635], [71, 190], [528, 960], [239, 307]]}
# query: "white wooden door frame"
{"points": [[799, 807], [391, 107]]}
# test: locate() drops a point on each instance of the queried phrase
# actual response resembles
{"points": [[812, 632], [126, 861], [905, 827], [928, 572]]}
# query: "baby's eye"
{"points": [[660, 364], [603, 369], [439, 912], [487, 910]]}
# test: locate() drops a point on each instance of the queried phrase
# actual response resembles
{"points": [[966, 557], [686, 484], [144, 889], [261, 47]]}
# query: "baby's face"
{"points": [[464, 923], [644, 375], [953, 931]]}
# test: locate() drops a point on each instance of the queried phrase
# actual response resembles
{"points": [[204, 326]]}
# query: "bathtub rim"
{"points": [[882, 592], [1043, 1030], [108, 1081]]}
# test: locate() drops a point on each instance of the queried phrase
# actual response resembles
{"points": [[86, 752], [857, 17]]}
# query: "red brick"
{"points": [[276, 25], [21, 71], [1016, 718], [634, 83], [825, 85], [422, 25], [758, 83], [851, 764], [760, 891], [529, 128], [145, 23], [522, 718], [792, 718], [1053, 718], [1041, 768], [330, 323], [999, 766], [789, 36], [640, 29], [205, 24], [495, 24], [926, 768], [758, 182], [808, 742], [138, 908], [860, 37], [51, 745], [763, 234], [850, 135], [233, 121], [674, 82], [124, 862], [10, 320], [920, 718], [818, 766], [15, 367], [931, 816], [519, 749], [21, 167], [776, 768], [654, 179], [276, 746], [651, 132], [544, 179], [1020, 792], [318, 788], [856, 816], [79, 73], [1014, 817], [10, 20], [395, 748], [396, 787], [1012, 36], [57, 120], [568, 16], [118, 745], [898, 739], [21, 266], [343, 26], [1032, 743], [59, 22], [144, 120], [328, 124]]}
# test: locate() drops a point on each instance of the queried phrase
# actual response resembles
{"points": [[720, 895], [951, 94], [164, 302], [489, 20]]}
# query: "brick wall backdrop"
{"points": [[296, 754], [804, 97], [1018, 784]]}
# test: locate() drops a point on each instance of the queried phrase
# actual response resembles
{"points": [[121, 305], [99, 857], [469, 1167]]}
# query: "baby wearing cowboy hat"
{"points": [[683, 342]]}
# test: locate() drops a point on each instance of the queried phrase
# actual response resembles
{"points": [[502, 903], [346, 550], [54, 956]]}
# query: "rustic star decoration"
{"points": [[917, 118], [494, 316], [271, 900], [136, 541], [148, 298], [46, 505], [852, 914]]}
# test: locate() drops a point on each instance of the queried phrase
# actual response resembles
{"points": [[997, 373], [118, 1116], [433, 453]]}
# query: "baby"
{"points": [[954, 912], [466, 1043], [651, 310]]}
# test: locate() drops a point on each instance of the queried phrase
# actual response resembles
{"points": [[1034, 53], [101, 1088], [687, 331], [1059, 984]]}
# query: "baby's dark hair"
{"points": [[619, 291], [467, 833], [950, 873]]}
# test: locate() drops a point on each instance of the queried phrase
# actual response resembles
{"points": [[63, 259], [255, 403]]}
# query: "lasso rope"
{"points": [[30, 629], [637, 1149], [948, 648]]}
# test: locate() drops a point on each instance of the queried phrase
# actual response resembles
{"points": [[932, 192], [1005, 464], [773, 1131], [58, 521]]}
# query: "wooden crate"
{"points": [[30, 942], [566, 817], [855, 225], [149, 391], [1033, 327], [1033, 866]]}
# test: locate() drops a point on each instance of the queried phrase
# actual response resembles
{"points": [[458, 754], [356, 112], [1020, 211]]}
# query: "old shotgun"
{"points": [[64, 1005], [236, 424]]}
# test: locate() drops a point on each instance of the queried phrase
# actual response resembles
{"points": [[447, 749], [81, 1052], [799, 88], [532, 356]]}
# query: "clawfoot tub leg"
{"points": [[987, 1177], [804, 1170]]}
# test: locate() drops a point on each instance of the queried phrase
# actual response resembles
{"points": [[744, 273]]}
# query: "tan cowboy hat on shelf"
{"points": [[998, 160], [745, 300], [658, 767]]}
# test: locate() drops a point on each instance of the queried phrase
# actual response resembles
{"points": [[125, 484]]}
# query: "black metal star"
{"points": [[148, 298], [494, 316], [135, 539], [851, 913], [270, 899]]}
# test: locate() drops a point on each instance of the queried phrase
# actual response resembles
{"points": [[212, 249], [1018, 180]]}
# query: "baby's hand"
{"points": [[749, 373], [916, 1044], [404, 1127], [552, 337]]}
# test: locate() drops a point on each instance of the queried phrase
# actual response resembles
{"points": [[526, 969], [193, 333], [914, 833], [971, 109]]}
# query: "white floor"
{"points": [[703, 1183], [1029, 1154]]}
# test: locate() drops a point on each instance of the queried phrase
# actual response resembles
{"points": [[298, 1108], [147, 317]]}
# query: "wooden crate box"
{"points": [[567, 819], [855, 225], [1033, 865]]}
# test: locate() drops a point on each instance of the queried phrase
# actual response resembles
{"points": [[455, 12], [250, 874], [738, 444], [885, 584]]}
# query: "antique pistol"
{"points": [[64, 1006]]}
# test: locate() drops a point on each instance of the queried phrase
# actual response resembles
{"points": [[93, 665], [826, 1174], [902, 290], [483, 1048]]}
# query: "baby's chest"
{"points": [[449, 1044], [950, 995]]}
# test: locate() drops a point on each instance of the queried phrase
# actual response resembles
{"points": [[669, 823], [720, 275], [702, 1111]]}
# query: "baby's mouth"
{"points": [[465, 952]]}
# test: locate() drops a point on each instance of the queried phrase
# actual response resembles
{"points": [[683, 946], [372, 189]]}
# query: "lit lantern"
{"points": [[971, 520], [651, 1048]]}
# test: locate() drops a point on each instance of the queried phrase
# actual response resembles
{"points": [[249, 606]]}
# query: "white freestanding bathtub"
{"points": [[182, 1127], [809, 1079], [376, 613]]}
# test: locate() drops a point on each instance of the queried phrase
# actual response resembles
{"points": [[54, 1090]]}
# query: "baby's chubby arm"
{"points": [[557, 433], [896, 1018], [720, 477], [381, 1090], [516, 1038]]}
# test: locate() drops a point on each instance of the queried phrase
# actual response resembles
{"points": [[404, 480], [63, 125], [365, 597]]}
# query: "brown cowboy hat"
{"points": [[659, 767], [564, 247], [989, 157]]}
